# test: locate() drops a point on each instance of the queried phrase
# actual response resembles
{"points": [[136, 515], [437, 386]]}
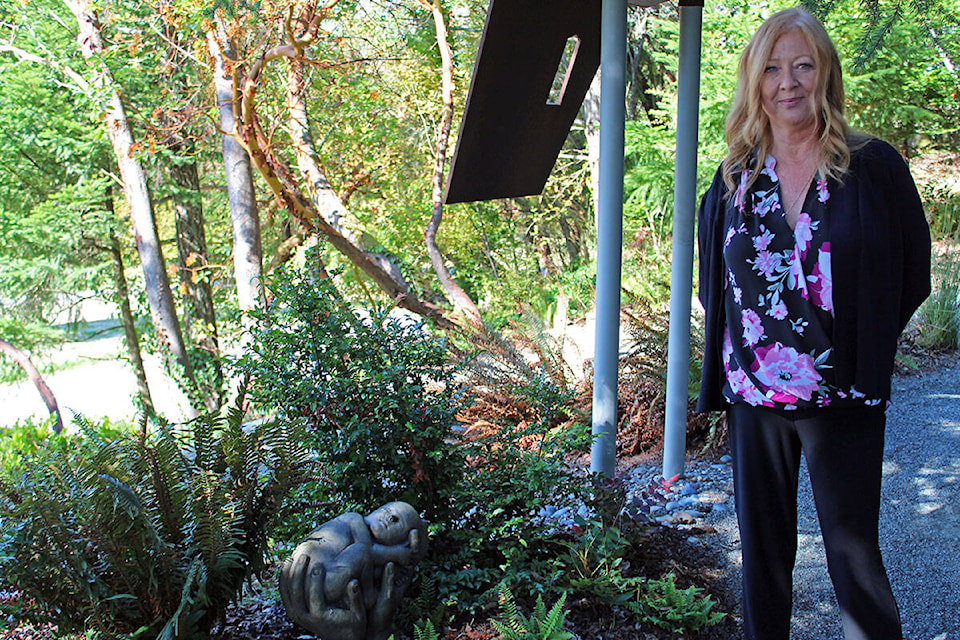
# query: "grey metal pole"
{"points": [[684, 210], [613, 85]]}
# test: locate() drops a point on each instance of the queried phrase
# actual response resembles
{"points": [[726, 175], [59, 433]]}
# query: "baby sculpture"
{"points": [[345, 580]]}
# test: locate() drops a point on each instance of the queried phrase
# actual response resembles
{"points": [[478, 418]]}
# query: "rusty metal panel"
{"points": [[511, 132]]}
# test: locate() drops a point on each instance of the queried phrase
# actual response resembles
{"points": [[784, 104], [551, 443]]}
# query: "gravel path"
{"points": [[919, 523]]}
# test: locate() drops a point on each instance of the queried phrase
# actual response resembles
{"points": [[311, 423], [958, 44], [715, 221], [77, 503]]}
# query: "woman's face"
{"points": [[788, 85]]}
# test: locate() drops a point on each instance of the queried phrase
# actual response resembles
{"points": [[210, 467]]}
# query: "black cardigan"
{"points": [[880, 262]]}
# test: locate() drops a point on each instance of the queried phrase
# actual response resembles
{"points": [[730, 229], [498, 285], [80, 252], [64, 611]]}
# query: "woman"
{"points": [[814, 254]]}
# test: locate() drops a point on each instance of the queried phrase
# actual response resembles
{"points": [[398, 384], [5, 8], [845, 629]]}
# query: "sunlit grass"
{"points": [[939, 315]]}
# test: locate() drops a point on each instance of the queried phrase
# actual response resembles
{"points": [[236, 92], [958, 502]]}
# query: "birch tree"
{"points": [[159, 296]]}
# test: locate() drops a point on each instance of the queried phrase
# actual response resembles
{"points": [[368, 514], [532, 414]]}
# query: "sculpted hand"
{"points": [[303, 597], [392, 588], [413, 541]]}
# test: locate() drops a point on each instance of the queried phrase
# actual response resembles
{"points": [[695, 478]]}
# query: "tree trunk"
{"points": [[162, 309], [461, 300], [192, 262], [283, 186], [324, 196], [247, 250], [26, 364], [130, 327], [199, 314]]}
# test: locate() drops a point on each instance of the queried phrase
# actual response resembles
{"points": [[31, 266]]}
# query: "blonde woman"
{"points": [[814, 254]]}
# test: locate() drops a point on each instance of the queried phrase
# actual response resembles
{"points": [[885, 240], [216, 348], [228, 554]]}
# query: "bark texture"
{"points": [[245, 217], [130, 327], [460, 299], [159, 296], [320, 215]]}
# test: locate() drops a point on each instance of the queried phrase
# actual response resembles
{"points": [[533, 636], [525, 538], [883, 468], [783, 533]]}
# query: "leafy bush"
{"points": [[22, 440], [377, 395], [595, 567], [382, 402], [150, 534], [523, 427], [515, 474]]}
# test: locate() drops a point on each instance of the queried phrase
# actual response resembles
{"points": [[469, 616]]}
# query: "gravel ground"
{"points": [[919, 523]]}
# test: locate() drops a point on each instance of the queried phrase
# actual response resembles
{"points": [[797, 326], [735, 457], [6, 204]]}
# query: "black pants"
{"points": [[844, 453]]}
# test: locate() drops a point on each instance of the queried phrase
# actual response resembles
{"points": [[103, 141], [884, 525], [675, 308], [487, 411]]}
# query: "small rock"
{"points": [[683, 517], [714, 497], [673, 505], [726, 459], [690, 502], [720, 510], [690, 489]]}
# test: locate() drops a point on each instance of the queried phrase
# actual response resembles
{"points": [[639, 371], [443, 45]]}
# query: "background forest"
{"points": [[256, 185]]}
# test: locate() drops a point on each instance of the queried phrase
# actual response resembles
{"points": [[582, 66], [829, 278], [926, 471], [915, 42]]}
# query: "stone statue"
{"points": [[345, 580]]}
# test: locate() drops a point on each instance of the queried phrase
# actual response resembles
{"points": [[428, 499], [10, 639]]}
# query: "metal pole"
{"points": [[684, 209], [613, 63]]}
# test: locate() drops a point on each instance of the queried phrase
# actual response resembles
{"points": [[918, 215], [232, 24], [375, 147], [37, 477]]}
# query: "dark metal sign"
{"points": [[536, 62]]}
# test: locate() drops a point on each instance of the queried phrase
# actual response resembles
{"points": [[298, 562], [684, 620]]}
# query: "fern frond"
{"points": [[552, 624], [426, 632]]}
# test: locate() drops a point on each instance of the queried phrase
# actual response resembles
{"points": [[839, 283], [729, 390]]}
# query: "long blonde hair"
{"points": [[749, 137]]}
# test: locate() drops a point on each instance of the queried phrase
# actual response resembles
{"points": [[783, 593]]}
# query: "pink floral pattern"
{"points": [[752, 328], [779, 301], [787, 374], [821, 280]]}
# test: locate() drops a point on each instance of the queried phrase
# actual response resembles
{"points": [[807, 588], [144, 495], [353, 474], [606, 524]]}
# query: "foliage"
{"points": [[425, 632], [678, 610], [22, 441], [595, 563], [939, 315], [521, 429], [381, 402], [150, 534], [376, 393], [541, 625]]}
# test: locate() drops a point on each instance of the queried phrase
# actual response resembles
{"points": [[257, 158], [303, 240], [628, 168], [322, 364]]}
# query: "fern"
{"points": [[151, 533], [426, 632], [665, 605], [541, 625]]}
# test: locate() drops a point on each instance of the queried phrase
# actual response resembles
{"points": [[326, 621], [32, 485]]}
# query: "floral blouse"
{"points": [[777, 344]]}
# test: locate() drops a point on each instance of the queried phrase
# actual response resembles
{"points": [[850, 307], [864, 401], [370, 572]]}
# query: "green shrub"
{"points": [[150, 534], [21, 440], [377, 394], [517, 472], [595, 567], [381, 399]]}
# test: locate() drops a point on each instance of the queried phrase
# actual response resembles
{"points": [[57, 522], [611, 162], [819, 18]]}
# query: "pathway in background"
{"points": [[98, 382]]}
